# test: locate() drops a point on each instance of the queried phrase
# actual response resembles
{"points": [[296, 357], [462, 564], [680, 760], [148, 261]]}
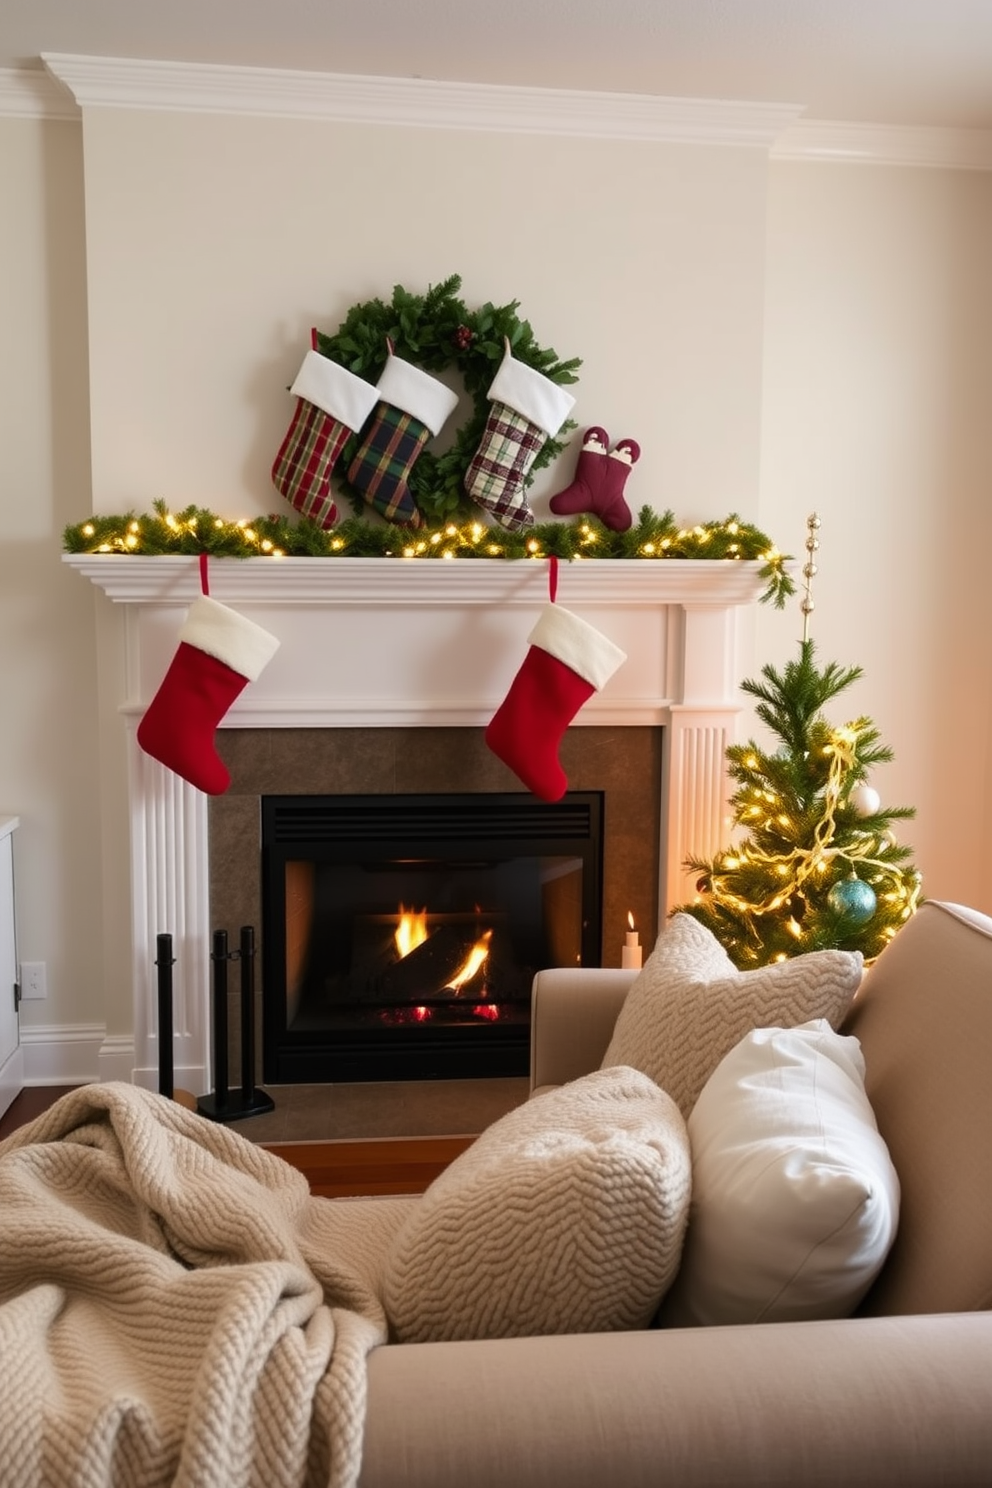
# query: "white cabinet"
{"points": [[11, 1058]]}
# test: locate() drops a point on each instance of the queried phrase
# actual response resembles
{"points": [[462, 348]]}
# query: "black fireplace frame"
{"points": [[324, 828]]}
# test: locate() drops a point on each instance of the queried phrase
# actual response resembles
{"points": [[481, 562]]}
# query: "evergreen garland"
{"points": [[197, 530], [435, 332]]}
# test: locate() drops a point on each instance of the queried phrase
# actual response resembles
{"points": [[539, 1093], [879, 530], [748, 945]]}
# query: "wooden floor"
{"points": [[396, 1165], [32, 1101], [378, 1165]]}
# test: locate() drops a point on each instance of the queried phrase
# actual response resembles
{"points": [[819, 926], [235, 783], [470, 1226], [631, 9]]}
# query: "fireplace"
{"points": [[396, 654], [402, 933]]}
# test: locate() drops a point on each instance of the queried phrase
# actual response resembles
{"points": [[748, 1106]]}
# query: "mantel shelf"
{"points": [[392, 582]]}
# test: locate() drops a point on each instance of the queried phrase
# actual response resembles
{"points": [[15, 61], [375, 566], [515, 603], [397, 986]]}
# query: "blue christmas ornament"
{"points": [[853, 900]]}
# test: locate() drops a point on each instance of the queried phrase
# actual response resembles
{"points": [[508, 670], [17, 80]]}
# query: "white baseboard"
{"points": [[81, 1053], [63, 1054], [117, 1057]]}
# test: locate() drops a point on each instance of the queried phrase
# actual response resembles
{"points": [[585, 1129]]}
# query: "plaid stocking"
{"points": [[331, 403], [527, 410], [412, 406]]}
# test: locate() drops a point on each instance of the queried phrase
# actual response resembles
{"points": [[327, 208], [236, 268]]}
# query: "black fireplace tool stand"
{"points": [[222, 1105]]}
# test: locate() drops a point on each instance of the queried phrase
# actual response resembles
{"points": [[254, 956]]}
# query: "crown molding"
{"points": [[112, 82], [32, 93], [885, 144], [71, 82]]}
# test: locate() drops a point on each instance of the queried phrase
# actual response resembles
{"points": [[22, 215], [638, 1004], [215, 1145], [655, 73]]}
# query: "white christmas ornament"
{"points": [[864, 799]]}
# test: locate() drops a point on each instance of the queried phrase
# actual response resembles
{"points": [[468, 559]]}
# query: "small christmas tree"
{"points": [[820, 865]]}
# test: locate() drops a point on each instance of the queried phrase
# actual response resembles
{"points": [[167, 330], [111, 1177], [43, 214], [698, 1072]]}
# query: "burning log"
{"points": [[432, 969]]}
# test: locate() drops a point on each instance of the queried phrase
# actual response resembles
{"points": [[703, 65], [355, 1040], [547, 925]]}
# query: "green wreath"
{"points": [[437, 331]]}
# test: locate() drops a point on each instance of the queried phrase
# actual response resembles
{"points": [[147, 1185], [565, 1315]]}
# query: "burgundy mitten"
{"points": [[599, 481]]}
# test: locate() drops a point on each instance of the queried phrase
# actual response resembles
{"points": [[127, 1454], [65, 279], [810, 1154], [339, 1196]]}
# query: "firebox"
{"points": [[401, 934]]}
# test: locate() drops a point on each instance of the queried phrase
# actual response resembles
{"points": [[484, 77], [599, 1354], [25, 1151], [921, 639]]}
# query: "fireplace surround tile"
{"points": [[624, 763]]}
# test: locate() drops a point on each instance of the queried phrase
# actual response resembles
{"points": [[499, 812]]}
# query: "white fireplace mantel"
{"points": [[381, 642]]}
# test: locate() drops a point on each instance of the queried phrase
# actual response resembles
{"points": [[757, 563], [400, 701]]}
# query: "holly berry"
{"points": [[463, 337]]}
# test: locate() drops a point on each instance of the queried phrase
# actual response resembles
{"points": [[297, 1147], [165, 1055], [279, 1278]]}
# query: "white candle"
{"points": [[630, 955]]}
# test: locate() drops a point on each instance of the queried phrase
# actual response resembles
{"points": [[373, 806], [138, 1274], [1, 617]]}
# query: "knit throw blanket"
{"points": [[175, 1307]]}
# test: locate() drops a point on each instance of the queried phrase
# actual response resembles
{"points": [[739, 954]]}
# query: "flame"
{"points": [[411, 930], [474, 960], [630, 919]]}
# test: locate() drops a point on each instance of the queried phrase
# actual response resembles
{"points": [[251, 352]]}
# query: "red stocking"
{"points": [[219, 653], [567, 662]]}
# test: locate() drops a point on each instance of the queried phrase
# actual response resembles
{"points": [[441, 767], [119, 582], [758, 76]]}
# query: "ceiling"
{"points": [[909, 62]]}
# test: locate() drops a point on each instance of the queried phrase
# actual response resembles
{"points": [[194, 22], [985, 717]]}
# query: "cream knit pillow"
{"points": [[690, 1005], [566, 1216]]}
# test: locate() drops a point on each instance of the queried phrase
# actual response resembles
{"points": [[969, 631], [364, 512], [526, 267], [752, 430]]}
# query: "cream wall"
{"points": [[877, 399], [214, 243], [48, 734], [778, 338]]}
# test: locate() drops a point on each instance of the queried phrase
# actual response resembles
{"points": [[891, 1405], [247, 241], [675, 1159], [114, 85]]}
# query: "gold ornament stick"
{"points": [[809, 570]]}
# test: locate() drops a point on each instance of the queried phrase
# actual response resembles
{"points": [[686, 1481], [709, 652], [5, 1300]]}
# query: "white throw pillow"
{"points": [[795, 1199], [690, 1005], [566, 1216]]}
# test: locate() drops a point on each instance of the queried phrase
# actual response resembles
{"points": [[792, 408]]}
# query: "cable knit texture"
{"points": [[690, 1005], [566, 1216], [175, 1307]]}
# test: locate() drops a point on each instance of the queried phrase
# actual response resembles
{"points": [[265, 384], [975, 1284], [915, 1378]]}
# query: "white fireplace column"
{"points": [[383, 642]]}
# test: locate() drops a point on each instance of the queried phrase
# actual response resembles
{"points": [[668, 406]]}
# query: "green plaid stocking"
{"points": [[412, 406]]}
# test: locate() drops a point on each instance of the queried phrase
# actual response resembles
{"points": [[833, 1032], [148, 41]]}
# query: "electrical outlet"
{"points": [[34, 984]]}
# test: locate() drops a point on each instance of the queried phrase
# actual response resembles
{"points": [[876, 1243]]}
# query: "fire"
{"points": [[475, 959], [411, 930]]}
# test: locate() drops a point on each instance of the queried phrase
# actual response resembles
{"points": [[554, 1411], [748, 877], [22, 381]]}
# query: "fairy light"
{"points": [[184, 532]]}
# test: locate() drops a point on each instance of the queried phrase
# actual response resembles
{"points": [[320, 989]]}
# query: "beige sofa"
{"points": [[899, 1394]]}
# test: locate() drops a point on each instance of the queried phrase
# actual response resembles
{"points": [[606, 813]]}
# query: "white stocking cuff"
{"points": [[575, 642], [222, 633], [334, 389], [417, 393], [531, 394]]}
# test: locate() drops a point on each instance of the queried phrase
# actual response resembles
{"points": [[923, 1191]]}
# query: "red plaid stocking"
{"points": [[331, 404]]}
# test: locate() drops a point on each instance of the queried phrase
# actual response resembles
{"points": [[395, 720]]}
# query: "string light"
{"points": [[653, 538]]}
